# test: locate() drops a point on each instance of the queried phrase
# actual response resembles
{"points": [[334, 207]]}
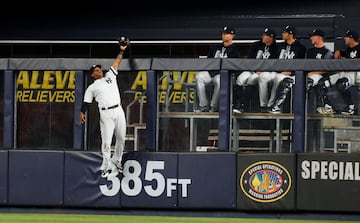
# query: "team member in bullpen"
{"points": [[247, 81], [291, 48], [226, 49], [318, 78]]}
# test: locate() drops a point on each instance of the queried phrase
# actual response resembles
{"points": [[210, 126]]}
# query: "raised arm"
{"points": [[119, 57]]}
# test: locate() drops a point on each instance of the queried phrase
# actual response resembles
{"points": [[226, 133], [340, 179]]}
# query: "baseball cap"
{"points": [[92, 68], [228, 30], [317, 32], [289, 29], [269, 32], [352, 34]]}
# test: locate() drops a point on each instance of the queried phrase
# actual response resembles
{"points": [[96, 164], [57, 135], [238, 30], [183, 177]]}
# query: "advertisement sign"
{"points": [[45, 86], [266, 182], [328, 182]]}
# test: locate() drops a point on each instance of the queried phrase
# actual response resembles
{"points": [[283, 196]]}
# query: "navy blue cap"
{"points": [[317, 32], [352, 34], [92, 68], [228, 30], [289, 29], [269, 32]]}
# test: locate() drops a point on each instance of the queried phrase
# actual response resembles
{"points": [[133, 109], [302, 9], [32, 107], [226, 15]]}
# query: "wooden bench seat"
{"points": [[344, 136], [251, 135]]}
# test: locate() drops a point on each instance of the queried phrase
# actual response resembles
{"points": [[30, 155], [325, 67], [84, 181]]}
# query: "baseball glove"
{"points": [[124, 41]]}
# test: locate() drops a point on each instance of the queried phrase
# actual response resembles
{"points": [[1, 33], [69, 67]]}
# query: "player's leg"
{"points": [[238, 94], [106, 130], [215, 96], [120, 133], [345, 84], [276, 79], [250, 91], [324, 84], [202, 79], [313, 80], [265, 78]]}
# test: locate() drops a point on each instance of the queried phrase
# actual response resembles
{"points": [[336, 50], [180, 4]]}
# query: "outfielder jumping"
{"points": [[106, 93]]}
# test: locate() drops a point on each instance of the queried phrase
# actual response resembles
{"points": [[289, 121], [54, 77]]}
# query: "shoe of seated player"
{"points": [[275, 109], [213, 109], [238, 110], [326, 110], [202, 109], [264, 109], [349, 111]]}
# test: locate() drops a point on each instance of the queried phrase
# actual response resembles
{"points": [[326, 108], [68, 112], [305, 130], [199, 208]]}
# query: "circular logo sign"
{"points": [[265, 181]]}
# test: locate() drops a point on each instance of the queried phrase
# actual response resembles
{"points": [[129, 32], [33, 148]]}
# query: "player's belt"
{"points": [[111, 107]]}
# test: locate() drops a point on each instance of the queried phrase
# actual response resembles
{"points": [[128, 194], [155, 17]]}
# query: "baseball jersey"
{"points": [[296, 50], [258, 50], [351, 52], [105, 90], [221, 51], [319, 53]]}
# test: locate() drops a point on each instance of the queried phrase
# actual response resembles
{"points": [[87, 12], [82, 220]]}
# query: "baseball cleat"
{"points": [[275, 110], [238, 110], [202, 109], [105, 173], [326, 110], [118, 166], [350, 110]]}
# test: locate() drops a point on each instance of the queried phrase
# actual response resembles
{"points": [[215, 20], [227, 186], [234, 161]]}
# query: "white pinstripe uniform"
{"points": [[106, 93]]}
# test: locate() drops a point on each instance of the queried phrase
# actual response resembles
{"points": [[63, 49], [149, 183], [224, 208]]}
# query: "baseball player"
{"points": [[106, 93], [318, 78], [247, 81], [282, 82], [344, 81], [224, 50]]}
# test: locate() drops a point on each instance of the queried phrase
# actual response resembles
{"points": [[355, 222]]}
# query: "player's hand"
{"points": [[337, 54], [123, 48], [82, 118], [287, 73], [123, 43]]}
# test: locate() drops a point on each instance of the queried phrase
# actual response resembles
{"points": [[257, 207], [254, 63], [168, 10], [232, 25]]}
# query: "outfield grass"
{"points": [[89, 218]]}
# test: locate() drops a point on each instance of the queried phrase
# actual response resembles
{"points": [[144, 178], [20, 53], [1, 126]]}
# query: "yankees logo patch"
{"points": [[318, 56], [353, 54], [108, 80]]}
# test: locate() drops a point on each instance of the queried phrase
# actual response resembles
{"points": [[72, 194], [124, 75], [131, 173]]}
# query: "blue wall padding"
{"points": [[213, 177], [82, 181], [36, 178], [3, 176]]}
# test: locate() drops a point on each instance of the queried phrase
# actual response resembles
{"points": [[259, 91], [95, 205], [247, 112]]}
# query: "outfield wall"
{"points": [[216, 180]]}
